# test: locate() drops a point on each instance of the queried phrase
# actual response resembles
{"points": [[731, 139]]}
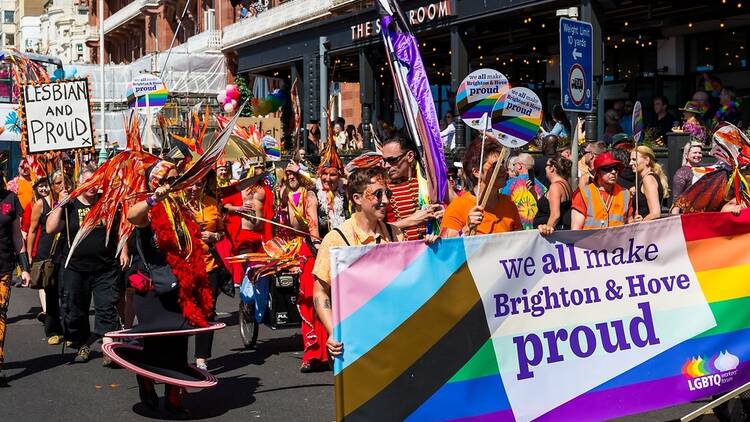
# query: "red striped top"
{"points": [[405, 202]]}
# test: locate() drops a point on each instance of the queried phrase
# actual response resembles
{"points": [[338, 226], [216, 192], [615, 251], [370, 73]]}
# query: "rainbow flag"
{"points": [[584, 325]]}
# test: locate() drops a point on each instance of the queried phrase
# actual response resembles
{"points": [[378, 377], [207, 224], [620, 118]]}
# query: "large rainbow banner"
{"points": [[583, 325]]}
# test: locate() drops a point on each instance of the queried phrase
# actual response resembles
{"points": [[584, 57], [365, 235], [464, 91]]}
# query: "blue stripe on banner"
{"points": [[461, 399], [369, 325], [669, 363]]}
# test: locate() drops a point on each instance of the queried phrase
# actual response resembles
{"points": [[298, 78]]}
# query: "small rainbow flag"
{"points": [[652, 316]]}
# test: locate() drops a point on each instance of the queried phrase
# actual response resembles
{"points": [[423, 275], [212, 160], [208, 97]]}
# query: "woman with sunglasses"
{"points": [[554, 206], [601, 203], [370, 195]]}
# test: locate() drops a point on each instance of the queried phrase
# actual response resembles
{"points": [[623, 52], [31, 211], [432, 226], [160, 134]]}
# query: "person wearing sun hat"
{"points": [[693, 124], [601, 203]]}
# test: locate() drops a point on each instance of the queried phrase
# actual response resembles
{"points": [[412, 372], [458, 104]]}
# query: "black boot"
{"points": [[147, 392], [173, 400]]}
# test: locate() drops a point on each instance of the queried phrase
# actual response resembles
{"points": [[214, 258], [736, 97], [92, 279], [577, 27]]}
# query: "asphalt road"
{"points": [[261, 384]]}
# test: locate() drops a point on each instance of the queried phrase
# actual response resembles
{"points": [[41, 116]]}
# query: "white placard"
{"points": [[57, 116]]}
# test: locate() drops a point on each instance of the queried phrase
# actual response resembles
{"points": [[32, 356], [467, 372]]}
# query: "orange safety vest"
{"points": [[598, 216]]}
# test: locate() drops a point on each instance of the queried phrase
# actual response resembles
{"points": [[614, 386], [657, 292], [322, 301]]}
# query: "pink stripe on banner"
{"points": [[370, 274]]}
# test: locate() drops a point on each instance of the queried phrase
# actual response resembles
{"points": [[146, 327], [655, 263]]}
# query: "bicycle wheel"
{"points": [[248, 325]]}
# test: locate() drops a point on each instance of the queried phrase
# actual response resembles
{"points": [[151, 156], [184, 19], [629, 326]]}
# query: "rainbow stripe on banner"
{"points": [[653, 315], [156, 99]]}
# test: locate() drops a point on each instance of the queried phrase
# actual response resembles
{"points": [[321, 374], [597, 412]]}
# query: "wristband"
{"points": [[23, 259], [151, 201]]}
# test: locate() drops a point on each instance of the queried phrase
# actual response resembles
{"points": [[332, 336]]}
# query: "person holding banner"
{"points": [[12, 251], [602, 203], [465, 214], [653, 185], [370, 195]]}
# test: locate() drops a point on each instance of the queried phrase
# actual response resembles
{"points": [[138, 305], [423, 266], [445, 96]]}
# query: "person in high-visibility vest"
{"points": [[602, 203]]}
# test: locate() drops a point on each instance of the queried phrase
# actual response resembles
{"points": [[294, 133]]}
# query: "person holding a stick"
{"points": [[404, 212], [493, 212], [601, 203], [652, 186]]}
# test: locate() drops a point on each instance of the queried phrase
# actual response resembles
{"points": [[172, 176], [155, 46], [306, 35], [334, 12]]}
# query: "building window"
{"points": [[10, 39], [9, 16], [79, 47]]}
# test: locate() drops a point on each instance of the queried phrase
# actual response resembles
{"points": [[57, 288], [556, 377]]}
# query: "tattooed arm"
{"points": [[322, 302]]}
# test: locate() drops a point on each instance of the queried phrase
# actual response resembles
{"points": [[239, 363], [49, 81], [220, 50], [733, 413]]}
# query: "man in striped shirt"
{"points": [[399, 159]]}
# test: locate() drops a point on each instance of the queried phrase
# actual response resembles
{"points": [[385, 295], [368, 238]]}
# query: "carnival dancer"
{"points": [[368, 191], [205, 211], [12, 250], [172, 301], [602, 203], [91, 269], [464, 215], [223, 173], [250, 196], [44, 250], [725, 186], [328, 206], [293, 196], [404, 212]]}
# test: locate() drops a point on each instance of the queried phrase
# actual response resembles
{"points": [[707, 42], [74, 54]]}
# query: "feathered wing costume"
{"points": [[709, 193], [165, 320]]}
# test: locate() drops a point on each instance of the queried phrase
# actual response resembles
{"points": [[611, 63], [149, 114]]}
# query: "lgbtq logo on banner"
{"points": [[584, 325]]}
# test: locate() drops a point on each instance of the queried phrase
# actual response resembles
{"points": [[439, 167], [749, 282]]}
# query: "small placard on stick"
{"points": [[57, 116]]}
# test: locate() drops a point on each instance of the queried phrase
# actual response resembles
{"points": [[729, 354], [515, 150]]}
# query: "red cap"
{"points": [[607, 159]]}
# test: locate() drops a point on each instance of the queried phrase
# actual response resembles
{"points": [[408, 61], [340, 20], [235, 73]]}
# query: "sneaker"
{"points": [[202, 366], [55, 340], [83, 355], [107, 362]]}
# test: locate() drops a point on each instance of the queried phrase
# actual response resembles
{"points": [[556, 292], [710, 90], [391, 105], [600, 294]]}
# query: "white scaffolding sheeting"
{"points": [[186, 73]]}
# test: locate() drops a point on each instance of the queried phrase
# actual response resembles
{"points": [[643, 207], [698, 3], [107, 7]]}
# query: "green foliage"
{"points": [[246, 93]]}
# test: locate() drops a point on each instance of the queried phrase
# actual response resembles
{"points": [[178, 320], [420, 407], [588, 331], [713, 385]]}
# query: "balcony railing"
{"points": [[201, 42], [275, 19], [123, 15]]}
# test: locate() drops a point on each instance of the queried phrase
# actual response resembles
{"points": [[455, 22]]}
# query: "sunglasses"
{"points": [[378, 194], [392, 161], [609, 169]]}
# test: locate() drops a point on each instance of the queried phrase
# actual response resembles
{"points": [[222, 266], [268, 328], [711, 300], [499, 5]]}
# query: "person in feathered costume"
{"points": [[725, 187]]}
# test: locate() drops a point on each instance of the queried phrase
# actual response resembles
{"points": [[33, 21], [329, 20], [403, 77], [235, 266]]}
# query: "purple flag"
{"points": [[417, 103]]}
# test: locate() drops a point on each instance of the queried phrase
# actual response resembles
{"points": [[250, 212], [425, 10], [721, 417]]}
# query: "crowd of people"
{"points": [[238, 207]]}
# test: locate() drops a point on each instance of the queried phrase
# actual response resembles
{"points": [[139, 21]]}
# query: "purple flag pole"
{"points": [[417, 104]]}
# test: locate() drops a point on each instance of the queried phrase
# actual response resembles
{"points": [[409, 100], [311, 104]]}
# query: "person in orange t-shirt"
{"points": [[500, 214]]}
